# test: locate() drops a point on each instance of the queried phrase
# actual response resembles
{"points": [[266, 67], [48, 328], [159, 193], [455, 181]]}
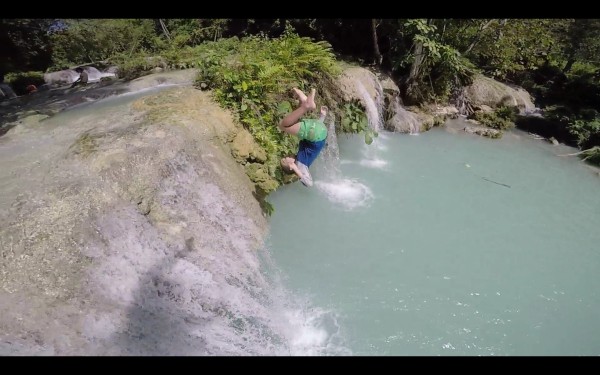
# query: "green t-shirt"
{"points": [[313, 130]]}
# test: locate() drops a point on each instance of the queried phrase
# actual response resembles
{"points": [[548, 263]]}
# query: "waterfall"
{"points": [[527, 104], [95, 75], [373, 107], [68, 76], [402, 116], [347, 193], [374, 111], [459, 98], [350, 193], [379, 103], [331, 154]]}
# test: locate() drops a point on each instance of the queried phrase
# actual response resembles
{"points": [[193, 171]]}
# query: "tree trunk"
{"points": [[502, 24], [568, 65], [164, 28], [478, 36], [378, 57], [412, 90]]}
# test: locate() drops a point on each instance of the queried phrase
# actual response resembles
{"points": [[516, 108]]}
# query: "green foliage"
{"points": [[585, 130], [573, 101], [509, 46], [578, 40], [502, 118], [131, 67], [186, 32], [592, 155], [91, 40], [20, 81], [354, 120], [437, 67], [267, 207]]}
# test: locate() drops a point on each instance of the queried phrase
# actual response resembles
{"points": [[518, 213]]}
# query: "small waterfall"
{"points": [[402, 116], [68, 76], [459, 99], [373, 108], [344, 192], [379, 102], [527, 104], [331, 154], [95, 75]]}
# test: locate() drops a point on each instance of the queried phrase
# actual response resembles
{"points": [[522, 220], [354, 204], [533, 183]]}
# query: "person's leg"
{"points": [[289, 123]]}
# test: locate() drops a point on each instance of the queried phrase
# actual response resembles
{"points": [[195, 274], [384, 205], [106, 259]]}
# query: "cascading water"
{"points": [[164, 286], [95, 75], [373, 108], [331, 155], [406, 117], [344, 192], [459, 98], [70, 75], [374, 111]]}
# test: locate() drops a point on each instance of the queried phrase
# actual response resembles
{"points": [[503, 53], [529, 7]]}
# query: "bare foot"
{"points": [[310, 101], [300, 95]]}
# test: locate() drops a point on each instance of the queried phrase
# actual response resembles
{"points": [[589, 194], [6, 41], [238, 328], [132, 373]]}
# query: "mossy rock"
{"points": [[257, 174], [244, 148]]}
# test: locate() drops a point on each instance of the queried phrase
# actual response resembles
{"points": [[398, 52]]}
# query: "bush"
{"points": [[502, 118], [20, 81]]}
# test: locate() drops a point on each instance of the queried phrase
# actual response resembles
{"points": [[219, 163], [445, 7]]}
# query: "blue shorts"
{"points": [[308, 151]]}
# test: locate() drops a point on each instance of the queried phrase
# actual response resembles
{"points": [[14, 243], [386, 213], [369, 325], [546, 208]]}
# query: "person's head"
{"points": [[286, 164], [79, 69]]}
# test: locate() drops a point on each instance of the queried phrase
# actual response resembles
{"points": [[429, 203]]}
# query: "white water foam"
{"points": [[347, 193], [374, 163], [306, 329]]}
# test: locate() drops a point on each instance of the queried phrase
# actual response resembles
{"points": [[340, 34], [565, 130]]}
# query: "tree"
{"points": [[25, 44], [580, 41], [90, 40], [503, 47], [378, 57], [435, 66]]}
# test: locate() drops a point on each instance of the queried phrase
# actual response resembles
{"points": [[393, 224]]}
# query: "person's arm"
{"points": [[76, 81]]}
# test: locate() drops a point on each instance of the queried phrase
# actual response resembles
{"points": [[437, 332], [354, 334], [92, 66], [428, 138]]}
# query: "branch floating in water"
{"points": [[497, 183]]}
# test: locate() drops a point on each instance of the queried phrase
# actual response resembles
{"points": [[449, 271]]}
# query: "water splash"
{"points": [[308, 330], [374, 163], [331, 154], [346, 193]]}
